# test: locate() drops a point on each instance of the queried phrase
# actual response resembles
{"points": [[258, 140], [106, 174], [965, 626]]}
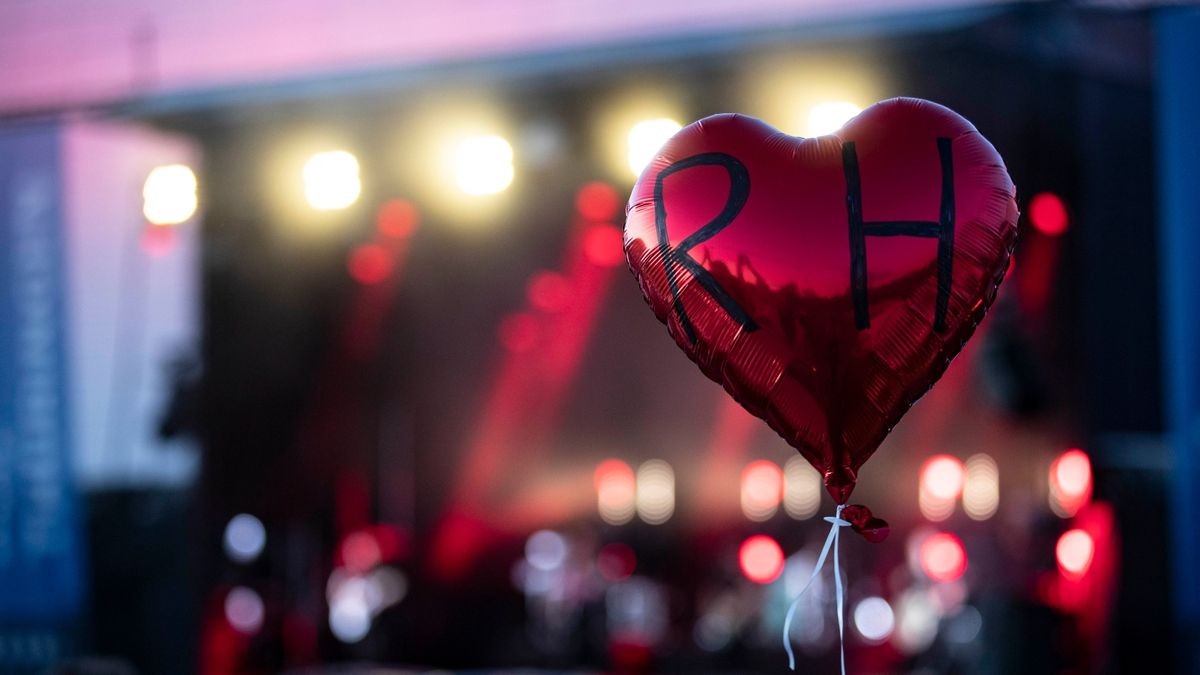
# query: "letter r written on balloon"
{"points": [[673, 256]]}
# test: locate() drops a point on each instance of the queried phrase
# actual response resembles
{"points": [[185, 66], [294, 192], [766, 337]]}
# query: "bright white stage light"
{"points": [[331, 180], [829, 116], [169, 195], [483, 165], [645, 138]]}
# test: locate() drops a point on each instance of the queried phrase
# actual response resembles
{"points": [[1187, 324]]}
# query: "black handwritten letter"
{"points": [[739, 192], [943, 229]]}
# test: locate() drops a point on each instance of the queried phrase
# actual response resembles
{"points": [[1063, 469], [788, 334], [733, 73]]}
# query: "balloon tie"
{"points": [[831, 541]]}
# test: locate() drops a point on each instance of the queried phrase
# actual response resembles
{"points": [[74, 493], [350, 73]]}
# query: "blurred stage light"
{"points": [[158, 241], [244, 610], [644, 140], [829, 116], [1070, 482], [354, 599], [369, 264], [981, 489], [518, 332], [801, 489], [964, 627], [934, 509], [942, 477], [546, 550], [616, 562], [714, 630], [809, 94], [762, 488], [943, 557], [603, 246], [548, 291], [761, 559], [874, 619], [541, 142], [615, 491], [244, 538], [483, 165], [637, 610], [397, 219], [361, 551], [655, 492], [383, 587], [797, 569], [916, 621], [331, 180], [169, 195], [350, 617], [1048, 214], [941, 483], [597, 201], [1074, 552]]}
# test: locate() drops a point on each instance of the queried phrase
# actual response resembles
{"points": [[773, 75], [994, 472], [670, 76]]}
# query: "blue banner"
{"points": [[41, 571]]}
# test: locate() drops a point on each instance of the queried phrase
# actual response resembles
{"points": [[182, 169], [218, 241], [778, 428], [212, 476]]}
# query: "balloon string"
{"points": [[831, 541]]}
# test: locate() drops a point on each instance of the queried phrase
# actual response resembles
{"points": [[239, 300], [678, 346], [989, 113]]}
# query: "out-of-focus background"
{"points": [[318, 352]]}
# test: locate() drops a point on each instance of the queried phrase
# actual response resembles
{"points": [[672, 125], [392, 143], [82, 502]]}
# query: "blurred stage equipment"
{"points": [[98, 255]]}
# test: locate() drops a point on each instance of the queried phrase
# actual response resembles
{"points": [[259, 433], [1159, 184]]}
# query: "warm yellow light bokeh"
{"points": [[483, 165], [829, 116], [331, 180], [644, 140]]}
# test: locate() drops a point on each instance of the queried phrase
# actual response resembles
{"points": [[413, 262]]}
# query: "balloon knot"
{"points": [[865, 523]]}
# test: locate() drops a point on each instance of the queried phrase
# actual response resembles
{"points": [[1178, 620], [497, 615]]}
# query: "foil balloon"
{"points": [[826, 282]]}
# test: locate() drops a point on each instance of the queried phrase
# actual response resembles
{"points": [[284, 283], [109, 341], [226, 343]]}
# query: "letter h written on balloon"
{"points": [[943, 229], [739, 191]]}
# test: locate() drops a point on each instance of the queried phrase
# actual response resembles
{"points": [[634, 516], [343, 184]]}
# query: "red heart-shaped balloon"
{"points": [[825, 282]]}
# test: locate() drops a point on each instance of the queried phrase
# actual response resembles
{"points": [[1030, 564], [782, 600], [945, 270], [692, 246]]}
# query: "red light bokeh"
{"points": [[1048, 214], [1074, 553], [603, 246], [761, 559], [369, 264], [1071, 480], [548, 291], [518, 332], [943, 557], [942, 477], [158, 240], [616, 562], [397, 218], [597, 201]]}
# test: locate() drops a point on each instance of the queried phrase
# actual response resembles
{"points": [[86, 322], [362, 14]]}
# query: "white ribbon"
{"points": [[836, 525]]}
